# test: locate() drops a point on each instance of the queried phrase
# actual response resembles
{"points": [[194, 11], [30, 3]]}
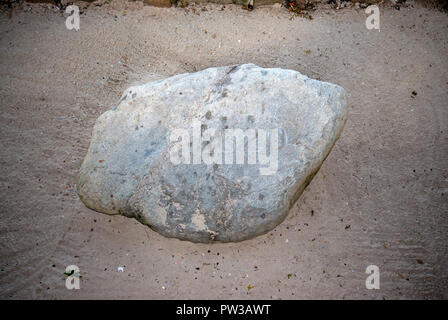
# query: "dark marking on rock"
{"points": [[208, 115], [233, 69]]}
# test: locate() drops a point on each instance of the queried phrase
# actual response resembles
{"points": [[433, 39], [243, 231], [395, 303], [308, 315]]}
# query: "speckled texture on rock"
{"points": [[128, 170]]}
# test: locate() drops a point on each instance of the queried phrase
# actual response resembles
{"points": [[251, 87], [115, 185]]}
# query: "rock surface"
{"points": [[129, 167]]}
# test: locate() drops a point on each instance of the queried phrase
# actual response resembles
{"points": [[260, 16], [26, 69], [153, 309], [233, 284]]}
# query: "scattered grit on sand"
{"points": [[380, 198]]}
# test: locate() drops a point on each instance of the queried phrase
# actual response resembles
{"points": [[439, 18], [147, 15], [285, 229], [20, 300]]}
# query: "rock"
{"points": [[135, 165]]}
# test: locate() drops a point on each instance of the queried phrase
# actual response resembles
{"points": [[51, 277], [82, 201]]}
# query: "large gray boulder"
{"points": [[167, 156]]}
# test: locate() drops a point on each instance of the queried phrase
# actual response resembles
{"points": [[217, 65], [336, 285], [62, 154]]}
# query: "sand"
{"points": [[379, 199]]}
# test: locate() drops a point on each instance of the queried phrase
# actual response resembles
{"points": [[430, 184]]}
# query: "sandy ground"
{"points": [[380, 198]]}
